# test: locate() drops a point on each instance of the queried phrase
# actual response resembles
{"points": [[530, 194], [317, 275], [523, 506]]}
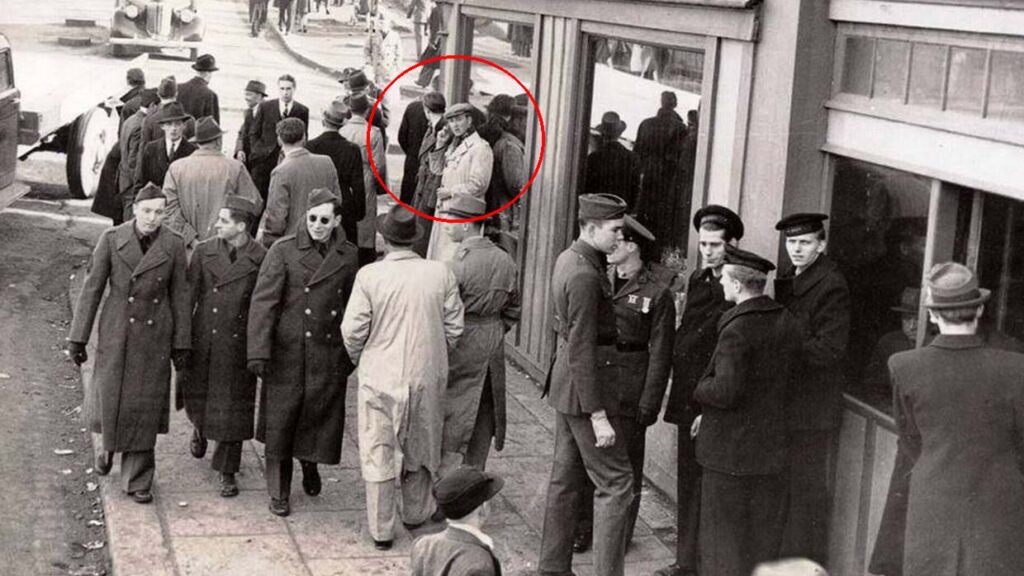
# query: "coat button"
{"points": [[214, 290], [131, 320], [306, 289], [215, 310], [156, 300], [309, 334], [131, 299], [334, 312], [328, 336], [308, 311], [214, 331], [149, 322], [234, 335]]}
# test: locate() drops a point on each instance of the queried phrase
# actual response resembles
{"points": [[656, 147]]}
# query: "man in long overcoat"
{"points": [[612, 168], [814, 290], [156, 157], [130, 142], [348, 163], [255, 93], [195, 96], [264, 143], [741, 432], [294, 346], [659, 146], [167, 91], [956, 498], [695, 339], [474, 401], [219, 393], [144, 325], [404, 316], [590, 426], [410, 135], [197, 186], [291, 182]]}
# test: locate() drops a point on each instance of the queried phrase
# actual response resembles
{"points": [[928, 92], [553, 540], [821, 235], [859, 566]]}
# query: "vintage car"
{"points": [[156, 24]]}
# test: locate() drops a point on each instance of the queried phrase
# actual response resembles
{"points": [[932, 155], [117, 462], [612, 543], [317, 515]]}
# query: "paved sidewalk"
{"points": [[190, 530]]}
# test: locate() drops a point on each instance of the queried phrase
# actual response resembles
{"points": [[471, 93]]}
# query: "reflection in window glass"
{"points": [[1001, 270], [860, 53], [890, 69], [642, 143], [927, 71], [877, 236], [1006, 92], [966, 79]]}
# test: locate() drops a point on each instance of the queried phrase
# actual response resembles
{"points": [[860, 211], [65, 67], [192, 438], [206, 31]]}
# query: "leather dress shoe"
{"points": [[581, 542], [104, 462], [228, 486], [383, 544], [197, 445], [280, 507], [311, 482], [142, 496]]}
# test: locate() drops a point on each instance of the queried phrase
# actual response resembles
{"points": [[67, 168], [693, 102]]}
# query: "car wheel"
{"points": [[92, 136]]}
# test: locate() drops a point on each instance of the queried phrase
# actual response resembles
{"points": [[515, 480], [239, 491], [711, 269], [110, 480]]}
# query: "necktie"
{"points": [[287, 110], [144, 242], [232, 253]]}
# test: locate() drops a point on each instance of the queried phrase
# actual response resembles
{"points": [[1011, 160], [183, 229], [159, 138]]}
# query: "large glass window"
{"points": [[642, 133], [1001, 269]]}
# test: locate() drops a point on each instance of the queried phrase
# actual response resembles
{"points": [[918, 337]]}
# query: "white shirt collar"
{"points": [[283, 106], [171, 145], [483, 538]]}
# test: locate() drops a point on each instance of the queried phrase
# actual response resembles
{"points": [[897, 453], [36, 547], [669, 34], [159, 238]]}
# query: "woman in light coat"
{"points": [[467, 171]]}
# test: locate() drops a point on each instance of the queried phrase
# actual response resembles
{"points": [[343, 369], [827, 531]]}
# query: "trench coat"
{"points": [[198, 100], [294, 318], [290, 184], [490, 294], [219, 393], [355, 132], [467, 170], [196, 188], [958, 483], [404, 316], [145, 316]]}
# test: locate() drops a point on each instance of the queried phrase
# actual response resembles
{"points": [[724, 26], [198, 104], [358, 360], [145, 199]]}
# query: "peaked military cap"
{"points": [[464, 489], [466, 206], [601, 207], [801, 223], [240, 204], [953, 285], [150, 192], [636, 232], [738, 257], [722, 216], [320, 196], [910, 299]]}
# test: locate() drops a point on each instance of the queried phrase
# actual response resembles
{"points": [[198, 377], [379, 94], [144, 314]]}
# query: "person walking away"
{"points": [[354, 131], [145, 326], [348, 163], [404, 317], [219, 394], [195, 96], [301, 294], [430, 164]]}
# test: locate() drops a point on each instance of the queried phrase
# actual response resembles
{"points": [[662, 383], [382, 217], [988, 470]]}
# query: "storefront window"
{"points": [[1006, 93], [966, 79], [926, 75], [860, 54], [642, 135], [891, 69], [877, 236], [1001, 269]]}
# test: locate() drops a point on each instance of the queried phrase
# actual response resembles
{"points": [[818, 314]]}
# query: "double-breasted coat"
{"points": [[958, 483], [467, 171], [290, 184], [490, 294], [198, 100], [219, 393], [154, 163], [145, 316], [294, 322]]}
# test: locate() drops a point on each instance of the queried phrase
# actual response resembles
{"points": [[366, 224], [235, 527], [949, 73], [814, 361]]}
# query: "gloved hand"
{"points": [[257, 367], [603, 431], [77, 352], [181, 358], [646, 418]]}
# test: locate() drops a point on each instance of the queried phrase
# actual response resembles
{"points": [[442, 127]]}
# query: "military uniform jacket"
{"points": [[146, 314], [743, 392], [820, 300], [453, 552], [645, 318], [219, 393], [694, 343], [958, 483], [154, 163], [295, 322], [582, 379], [198, 100]]}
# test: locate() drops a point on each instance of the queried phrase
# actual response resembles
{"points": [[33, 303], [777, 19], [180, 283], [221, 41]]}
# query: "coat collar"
{"points": [[322, 267], [958, 342], [810, 277], [468, 535], [467, 144], [642, 277], [224, 271], [474, 243], [402, 255], [591, 254], [131, 252], [752, 306]]}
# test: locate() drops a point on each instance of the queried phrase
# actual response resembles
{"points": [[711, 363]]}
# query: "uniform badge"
{"points": [[632, 299], [647, 305]]}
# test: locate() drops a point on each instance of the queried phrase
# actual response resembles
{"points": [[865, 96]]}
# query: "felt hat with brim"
{"points": [[738, 257], [337, 113], [150, 192], [207, 130], [953, 285], [399, 226], [458, 110], [256, 86], [240, 204], [464, 489], [801, 223], [358, 103], [611, 124], [601, 207], [173, 113], [320, 196], [466, 206], [722, 216], [634, 231], [357, 81], [910, 300], [205, 63]]}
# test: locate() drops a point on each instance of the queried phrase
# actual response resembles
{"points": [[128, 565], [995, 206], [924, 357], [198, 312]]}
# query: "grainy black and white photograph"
{"points": [[448, 287]]}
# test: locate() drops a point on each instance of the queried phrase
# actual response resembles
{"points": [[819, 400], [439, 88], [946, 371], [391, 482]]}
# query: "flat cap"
{"points": [[256, 86], [240, 204], [953, 285], [136, 76], [466, 206], [722, 216], [738, 257], [150, 192], [601, 207], [319, 196], [636, 232], [458, 110], [464, 489], [801, 223]]}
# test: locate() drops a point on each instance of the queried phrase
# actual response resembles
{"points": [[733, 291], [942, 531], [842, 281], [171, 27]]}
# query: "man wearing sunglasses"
{"points": [[295, 347]]}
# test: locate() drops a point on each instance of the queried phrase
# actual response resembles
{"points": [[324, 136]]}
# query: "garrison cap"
{"points": [[320, 196], [636, 232], [953, 285], [256, 86], [150, 192], [466, 206], [738, 257], [464, 489], [240, 204], [601, 207], [801, 223], [722, 216]]}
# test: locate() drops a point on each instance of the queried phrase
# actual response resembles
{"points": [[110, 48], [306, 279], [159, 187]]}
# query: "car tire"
{"points": [[91, 137]]}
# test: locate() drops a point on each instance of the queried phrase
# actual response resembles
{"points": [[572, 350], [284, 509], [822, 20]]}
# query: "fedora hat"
{"points": [[337, 113], [399, 226], [611, 124], [910, 299], [357, 81], [207, 129], [464, 489], [256, 86], [173, 112], [953, 285], [205, 63]]}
